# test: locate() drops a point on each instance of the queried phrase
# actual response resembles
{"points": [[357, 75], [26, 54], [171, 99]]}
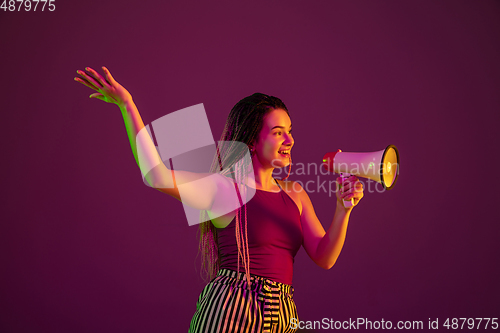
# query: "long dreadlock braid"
{"points": [[244, 123]]}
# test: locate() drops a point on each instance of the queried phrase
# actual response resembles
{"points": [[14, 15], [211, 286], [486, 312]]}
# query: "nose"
{"points": [[289, 140]]}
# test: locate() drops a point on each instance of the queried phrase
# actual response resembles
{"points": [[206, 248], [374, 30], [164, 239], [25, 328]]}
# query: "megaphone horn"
{"points": [[381, 166]]}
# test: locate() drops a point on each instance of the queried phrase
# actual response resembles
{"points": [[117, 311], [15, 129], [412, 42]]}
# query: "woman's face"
{"points": [[274, 142]]}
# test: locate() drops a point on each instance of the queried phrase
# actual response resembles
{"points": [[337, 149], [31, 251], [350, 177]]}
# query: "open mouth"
{"points": [[285, 153]]}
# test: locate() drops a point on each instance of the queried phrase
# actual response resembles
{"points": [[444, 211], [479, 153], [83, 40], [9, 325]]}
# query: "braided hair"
{"points": [[244, 123]]}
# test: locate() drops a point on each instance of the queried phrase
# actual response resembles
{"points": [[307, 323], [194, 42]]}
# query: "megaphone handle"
{"points": [[350, 202]]}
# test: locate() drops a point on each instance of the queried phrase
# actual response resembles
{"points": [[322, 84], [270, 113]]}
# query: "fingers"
{"points": [[102, 97], [109, 77], [94, 80], [347, 183], [86, 83], [90, 80], [98, 96], [97, 77], [350, 188]]}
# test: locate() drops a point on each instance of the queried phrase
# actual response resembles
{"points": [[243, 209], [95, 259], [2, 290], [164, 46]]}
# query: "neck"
{"points": [[263, 177]]}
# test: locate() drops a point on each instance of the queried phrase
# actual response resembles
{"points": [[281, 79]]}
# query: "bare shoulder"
{"points": [[294, 190]]}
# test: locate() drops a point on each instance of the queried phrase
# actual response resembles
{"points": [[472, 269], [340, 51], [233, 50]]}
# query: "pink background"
{"points": [[86, 247]]}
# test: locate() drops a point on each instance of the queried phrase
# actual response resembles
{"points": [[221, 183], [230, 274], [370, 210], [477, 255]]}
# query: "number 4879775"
{"points": [[28, 5]]}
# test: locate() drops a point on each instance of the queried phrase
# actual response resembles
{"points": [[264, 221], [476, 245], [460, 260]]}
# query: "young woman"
{"points": [[248, 253]]}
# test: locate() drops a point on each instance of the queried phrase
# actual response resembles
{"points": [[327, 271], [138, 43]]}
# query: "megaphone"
{"points": [[381, 166]]}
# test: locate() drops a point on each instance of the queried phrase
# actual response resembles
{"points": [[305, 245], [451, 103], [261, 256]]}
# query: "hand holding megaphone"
{"points": [[381, 166], [350, 190]]}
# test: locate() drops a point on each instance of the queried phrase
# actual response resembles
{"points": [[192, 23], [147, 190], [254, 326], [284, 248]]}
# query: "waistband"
{"points": [[257, 283]]}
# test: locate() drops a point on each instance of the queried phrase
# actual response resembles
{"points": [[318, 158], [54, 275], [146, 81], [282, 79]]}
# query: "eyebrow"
{"points": [[280, 127]]}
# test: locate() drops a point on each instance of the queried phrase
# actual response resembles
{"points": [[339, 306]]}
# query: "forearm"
{"points": [[331, 244], [133, 124], [143, 148]]}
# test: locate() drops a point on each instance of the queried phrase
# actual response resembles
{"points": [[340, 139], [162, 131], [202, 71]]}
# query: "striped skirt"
{"points": [[227, 305]]}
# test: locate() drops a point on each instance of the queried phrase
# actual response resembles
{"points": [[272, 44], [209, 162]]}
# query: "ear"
{"points": [[251, 147]]}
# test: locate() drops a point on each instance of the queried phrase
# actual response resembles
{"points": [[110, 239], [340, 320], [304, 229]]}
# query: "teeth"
{"points": [[284, 151]]}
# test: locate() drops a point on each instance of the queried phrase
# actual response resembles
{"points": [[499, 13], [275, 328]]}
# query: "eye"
{"points": [[279, 133]]}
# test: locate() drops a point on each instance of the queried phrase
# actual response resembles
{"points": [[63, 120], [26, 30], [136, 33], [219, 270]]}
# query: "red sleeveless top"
{"points": [[274, 237]]}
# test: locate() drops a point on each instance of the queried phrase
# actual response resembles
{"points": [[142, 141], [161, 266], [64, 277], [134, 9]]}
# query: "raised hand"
{"points": [[107, 89]]}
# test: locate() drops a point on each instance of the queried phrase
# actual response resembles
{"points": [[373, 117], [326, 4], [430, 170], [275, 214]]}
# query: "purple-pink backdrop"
{"points": [[86, 247]]}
